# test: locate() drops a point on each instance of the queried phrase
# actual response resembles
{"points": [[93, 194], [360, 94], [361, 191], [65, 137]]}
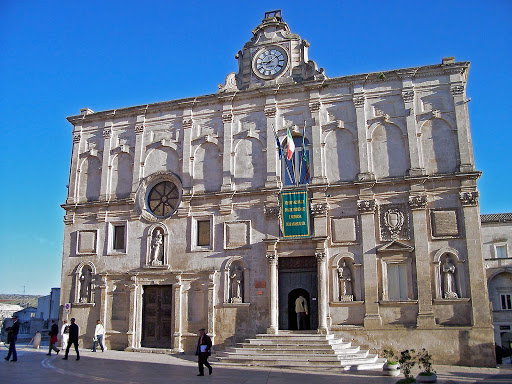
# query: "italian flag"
{"points": [[291, 145]]}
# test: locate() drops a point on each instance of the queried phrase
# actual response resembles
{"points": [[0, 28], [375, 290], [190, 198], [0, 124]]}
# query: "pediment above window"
{"points": [[395, 246]]}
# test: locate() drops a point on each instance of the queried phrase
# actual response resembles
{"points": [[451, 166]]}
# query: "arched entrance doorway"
{"points": [[293, 321]]}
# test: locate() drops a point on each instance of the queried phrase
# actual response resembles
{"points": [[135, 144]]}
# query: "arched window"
{"points": [[297, 170]]}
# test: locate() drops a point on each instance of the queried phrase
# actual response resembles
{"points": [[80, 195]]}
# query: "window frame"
{"points": [[507, 302], [500, 245], [405, 260], [195, 233], [112, 237]]}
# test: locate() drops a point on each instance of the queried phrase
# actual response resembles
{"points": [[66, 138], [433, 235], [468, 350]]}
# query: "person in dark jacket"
{"points": [[73, 339], [12, 336], [203, 350], [54, 331]]}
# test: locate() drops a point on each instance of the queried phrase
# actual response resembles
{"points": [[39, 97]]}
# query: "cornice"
{"points": [[215, 98]]}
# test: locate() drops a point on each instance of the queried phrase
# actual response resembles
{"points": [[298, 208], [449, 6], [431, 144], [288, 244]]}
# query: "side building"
{"points": [[497, 248], [175, 218]]}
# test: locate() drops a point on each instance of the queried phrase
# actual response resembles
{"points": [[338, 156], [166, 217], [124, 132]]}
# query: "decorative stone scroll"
{"points": [[468, 198], [107, 132], [366, 206], [314, 107], [270, 111], [320, 256], [457, 89], [319, 209], [359, 101], [139, 128], [227, 117], [187, 123], [418, 202], [408, 95], [272, 258], [271, 211], [76, 138]]}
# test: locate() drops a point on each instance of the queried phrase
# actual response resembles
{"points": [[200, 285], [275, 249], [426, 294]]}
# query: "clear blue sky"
{"points": [[59, 56]]}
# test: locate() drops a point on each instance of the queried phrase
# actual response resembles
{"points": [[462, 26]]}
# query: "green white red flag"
{"points": [[291, 145]]}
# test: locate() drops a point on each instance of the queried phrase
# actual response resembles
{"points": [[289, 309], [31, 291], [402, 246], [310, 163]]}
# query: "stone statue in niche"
{"points": [[157, 247], [345, 283], [450, 291], [85, 285], [236, 278]]}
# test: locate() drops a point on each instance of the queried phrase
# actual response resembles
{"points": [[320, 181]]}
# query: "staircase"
{"points": [[300, 349]]}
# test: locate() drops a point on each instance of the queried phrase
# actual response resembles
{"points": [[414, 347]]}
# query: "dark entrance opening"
{"points": [[297, 275], [292, 315], [157, 316]]}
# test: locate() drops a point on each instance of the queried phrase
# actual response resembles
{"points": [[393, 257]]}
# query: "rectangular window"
{"points": [[397, 282], [203, 233], [501, 251], [506, 301], [119, 238]]}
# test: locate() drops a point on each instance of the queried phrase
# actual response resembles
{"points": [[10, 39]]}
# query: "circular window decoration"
{"points": [[159, 196], [163, 198]]}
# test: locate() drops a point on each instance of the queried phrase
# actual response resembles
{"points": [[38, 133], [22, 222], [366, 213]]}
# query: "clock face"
{"points": [[270, 62]]}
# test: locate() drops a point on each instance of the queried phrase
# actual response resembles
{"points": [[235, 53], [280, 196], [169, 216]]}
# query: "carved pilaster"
{"points": [[272, 258], [418, 202], [76, 138], [107, 132], [271, 211], [319, 209], [366, 206], [187, 123], [320, 256], [468, 198], [139, 128], [227, 117], [314, 107]]}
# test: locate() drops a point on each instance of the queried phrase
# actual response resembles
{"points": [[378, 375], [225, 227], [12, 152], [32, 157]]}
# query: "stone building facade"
{"points": [[497, 248], [173, 220]]}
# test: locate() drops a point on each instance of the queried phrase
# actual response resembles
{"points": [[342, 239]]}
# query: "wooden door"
{"points": [[157, 316]]}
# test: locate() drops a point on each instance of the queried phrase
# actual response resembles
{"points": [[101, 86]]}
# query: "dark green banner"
{"points": [[295, 214]]}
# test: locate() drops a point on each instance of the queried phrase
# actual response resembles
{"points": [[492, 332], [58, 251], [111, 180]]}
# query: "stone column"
{"points": [[274, 291], [227, 169], [321, 259], [211, 306], [105, 167], [178, 290], [273, 173], [188, 156], [138, 161], [362, 140], [477, 279], [418, 204], [416, 167], [316, 144], [372, 317], [103, 300], [132, 320], [458, 90]]}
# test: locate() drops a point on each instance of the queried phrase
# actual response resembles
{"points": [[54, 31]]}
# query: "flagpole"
{"points": [[281, 154]]}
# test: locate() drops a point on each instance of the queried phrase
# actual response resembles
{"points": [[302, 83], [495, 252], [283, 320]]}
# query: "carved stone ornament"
{"points": [[272, 258], [418, 202], [468, 198], [314, 107], [230, 85], [107, 132], [139, 128], [366, 206], [76, 138], [319, 209], [408, 95], [436, 113], [270, 112], [394, 222], [227, 117], [457, 90], [187, 123], [320, 256], [271, 211], [359, 101]]}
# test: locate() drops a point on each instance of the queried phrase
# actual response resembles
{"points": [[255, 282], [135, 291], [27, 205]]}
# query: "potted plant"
{"points": [[427, 375], [407, 361], [391, 367]]}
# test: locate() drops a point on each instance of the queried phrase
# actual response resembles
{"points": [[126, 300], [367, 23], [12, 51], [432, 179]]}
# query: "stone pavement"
{"points": [[33, 366]]}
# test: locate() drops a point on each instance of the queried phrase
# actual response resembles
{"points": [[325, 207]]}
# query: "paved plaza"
{"points": [[33, 366]]}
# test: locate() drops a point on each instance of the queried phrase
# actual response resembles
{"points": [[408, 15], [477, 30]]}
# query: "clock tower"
{"points": [[273, 56]]}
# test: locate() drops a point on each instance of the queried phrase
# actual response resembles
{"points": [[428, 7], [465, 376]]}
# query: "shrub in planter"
{"points": [[428, 375], [407, 361], [391, 367]]}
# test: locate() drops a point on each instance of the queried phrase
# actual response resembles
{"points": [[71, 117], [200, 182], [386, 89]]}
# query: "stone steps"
{"points": [[300, 349]]}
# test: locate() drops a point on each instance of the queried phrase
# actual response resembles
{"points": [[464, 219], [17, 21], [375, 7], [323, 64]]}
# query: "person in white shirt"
{"points": [[99, 331], [64, 334]]}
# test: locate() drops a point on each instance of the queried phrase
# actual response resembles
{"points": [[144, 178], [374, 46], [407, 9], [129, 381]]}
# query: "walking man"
{"points": [[203, 350], [54, 331], [73, 339], [64, 335], [99, 331], [12, 336], [301, 309]]}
